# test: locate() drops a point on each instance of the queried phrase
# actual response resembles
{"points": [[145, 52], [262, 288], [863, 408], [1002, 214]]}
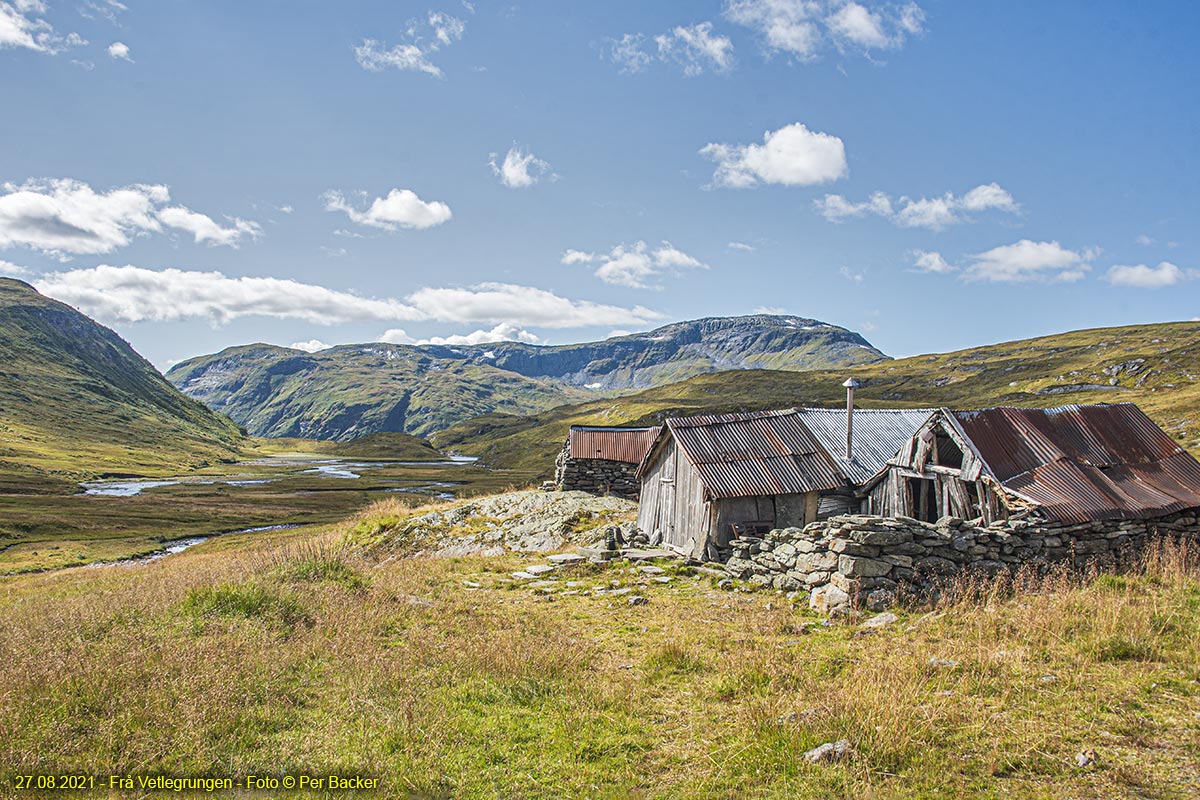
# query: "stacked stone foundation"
{"points": [[597, 476], [864, 561]]}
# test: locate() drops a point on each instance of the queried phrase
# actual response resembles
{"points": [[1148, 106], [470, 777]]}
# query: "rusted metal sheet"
{"points": [[878, 436], [1085, 462], [755, 454], [612, 444]]}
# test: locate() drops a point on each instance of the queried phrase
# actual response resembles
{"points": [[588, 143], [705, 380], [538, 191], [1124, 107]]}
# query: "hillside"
{"points": [[353, 390], [1154, 366], [75, 399]]}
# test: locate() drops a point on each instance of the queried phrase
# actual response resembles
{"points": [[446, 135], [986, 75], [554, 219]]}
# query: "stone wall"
{"points": [[863, 560], [596, 475]]}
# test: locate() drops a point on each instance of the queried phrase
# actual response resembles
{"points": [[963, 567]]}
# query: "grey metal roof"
{"points": [[755, 454], [878, 435]]}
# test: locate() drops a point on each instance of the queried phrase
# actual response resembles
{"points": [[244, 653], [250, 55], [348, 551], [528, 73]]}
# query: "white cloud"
{"points": [[1141, 276], [931, 261], [109, 9], [423, 38], [853, 277], [1143, 239], [628, 55], [695, 49], [135, 294], [774, 311], [119, 50], [1029, 261], [204, 229], [618, 332], [931, 213], [803, 29], [400, 209], [504, 332], [286, 209], [395, 336], [311, 346], [519, 169], [741, 247], [792, 156], [11, 270], [21, 27], [637, 264], [578, 257], [62, 217]]}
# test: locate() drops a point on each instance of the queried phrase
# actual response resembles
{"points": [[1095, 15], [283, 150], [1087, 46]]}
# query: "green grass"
{"points": [[255, 656], [1164, 384]]}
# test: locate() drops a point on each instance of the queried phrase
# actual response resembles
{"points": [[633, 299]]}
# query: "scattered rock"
{"points": [[472, 585], [565, 558], [538, 569], [1085, 758], [944, 663], [650, 569], [725, 584], [881, 620], [828, 753], [523, 576], [1048, 678], [638, 600]]}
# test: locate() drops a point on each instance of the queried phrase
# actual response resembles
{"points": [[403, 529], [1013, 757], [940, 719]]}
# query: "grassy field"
{"points": [[287, 653], [1155, 366]]}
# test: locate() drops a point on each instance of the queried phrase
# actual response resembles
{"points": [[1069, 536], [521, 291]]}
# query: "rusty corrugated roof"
{"points": [[755, 454], [613, 444], [1085, 462]]}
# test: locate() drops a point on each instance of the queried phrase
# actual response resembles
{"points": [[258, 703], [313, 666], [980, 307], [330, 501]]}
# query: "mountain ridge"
{"points": [[356, 389]]}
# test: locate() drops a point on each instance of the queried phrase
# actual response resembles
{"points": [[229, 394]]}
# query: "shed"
{"points": [[1070, 464], [603, 460]]}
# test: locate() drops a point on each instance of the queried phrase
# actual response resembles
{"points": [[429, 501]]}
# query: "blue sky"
{"points": [[932, 174]]}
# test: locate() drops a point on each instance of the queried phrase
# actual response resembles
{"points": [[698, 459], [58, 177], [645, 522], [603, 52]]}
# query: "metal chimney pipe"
{"points": [[850, 385]]}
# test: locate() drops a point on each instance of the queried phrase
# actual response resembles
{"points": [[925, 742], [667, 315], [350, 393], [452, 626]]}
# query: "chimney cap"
{"points": [[851, 383]]}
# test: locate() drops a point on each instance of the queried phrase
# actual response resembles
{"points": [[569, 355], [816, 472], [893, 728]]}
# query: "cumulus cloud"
{"points": [[1140, 276], [519, 169], [636, 265], [931, 261], [930, 213], [693, 48], [20, 26], [135, 294], [422, 39], [204, 229], [311, 346], [62, 217], [804, 29], [119, 50], [1029, 261], [400, 209], [504, 332], [791, 156], [11, 270]]}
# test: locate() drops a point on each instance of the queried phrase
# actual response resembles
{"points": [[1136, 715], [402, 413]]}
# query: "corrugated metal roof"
{"points": [[760, 453], [1085, 462], [878, 435], [613, 444]]}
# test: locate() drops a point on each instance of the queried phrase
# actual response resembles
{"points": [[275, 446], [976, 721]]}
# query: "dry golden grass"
{"points": [[295, 654]]}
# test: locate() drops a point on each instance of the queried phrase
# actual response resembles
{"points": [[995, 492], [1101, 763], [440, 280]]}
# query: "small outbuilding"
{"points": [[603, 460], [1069, 464]]}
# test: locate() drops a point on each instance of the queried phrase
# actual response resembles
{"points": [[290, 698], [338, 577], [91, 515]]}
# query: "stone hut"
{"points": [[603, 460]]}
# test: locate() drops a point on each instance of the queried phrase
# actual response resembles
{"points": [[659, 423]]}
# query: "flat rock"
{"points": [[538, 569], [881, 620], [828, 753], [523, 576], [565, 558], [639, 554], [650, 569]]}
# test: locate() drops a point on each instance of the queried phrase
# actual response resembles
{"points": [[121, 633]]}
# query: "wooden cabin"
{"points": [[707, 479], [1070, 464]]}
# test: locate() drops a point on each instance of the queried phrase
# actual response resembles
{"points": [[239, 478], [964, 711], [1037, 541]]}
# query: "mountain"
{"points": [[353, 390], [76, 399], [1155, 366]]}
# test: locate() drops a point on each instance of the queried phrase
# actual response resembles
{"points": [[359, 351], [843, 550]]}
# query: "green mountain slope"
{"points": [[1155, 366], [75, 399], [354, 390]]}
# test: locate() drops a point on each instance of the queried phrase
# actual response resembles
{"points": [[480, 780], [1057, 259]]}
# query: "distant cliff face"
{"points": [[353, 390]]}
